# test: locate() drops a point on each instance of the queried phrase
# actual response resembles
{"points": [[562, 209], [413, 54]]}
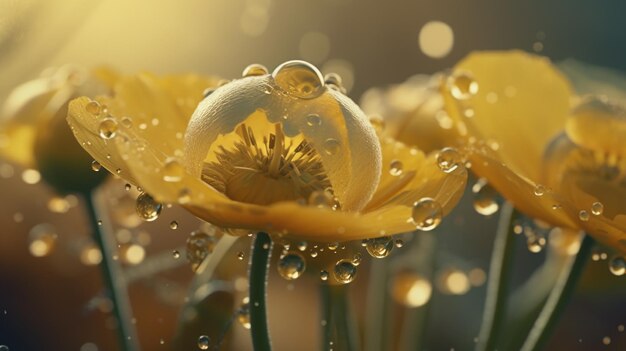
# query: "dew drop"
{"points": [[302, 245], [333, 246], [484, 198], [173, 171], [291, 266], [240, 255], [96, 166], [357, 258], [617, 265], [108, 128], [539, 190], [597, 208], [147, 208], [127, 122], [127, 187], [449, 159], [323, 275], [176, 254], [462, 86], [184, 196], [93, 107], [204, 342], [313, 120], [331, 146], [583, 215], [344, 271], [379, 247], [299, 79], [427, 214], [173, 225], [395, 168], [254, 69]]}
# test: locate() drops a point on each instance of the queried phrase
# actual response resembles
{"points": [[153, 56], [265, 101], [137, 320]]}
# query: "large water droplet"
{"points": [[484, 198], [147, 208], [379, 247], [427, 214], [291, 266], [617, 265], [173, 171], [108, 128], [344, 271], [254, 69], [462, 86], [204, 342], [299, 79], [449, 159]]}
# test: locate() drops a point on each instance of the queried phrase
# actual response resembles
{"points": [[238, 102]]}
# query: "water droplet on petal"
{"points": [[173, 171], [395, 168], [323, 275], [617, 265], [344, 271], [254, 69], [597, 208], [204, 342], [583, 215], [291, 266], [299, 79], [176, 254], [108, 128], [173, 225], [462, 86], [96, 166], [427, 214], [93, 107], [147, 208], [379, 247], [539, 190], [449, 159], [485, 197], [313, 120], [331, 146]]}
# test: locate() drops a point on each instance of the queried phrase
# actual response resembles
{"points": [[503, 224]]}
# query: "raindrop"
{"points": [[583, 215], [331, 146], [96, 166], [108, 128], [344, 271], [299, 79], [173, 171], [449, 159], [204, 342], [395, 168], [484, 198], [240, 255], [379, 247], [617, 265], [539, 190], [597, 208], [427, 214], [323, 275], [176, 254], [148, 209], [462, 86], [291, 266], [173, 225], [254, 69]]}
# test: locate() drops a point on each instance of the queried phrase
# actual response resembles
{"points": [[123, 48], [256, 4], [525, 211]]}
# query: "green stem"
{"points": [[258, 273], [113, 278], [499, 274], [376, 321], [344, 318], [328, 321], [558, 298]]}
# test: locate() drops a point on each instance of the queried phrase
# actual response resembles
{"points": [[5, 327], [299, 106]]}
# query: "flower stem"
{"points": [[258, 273], [499, 274], [340, 319], [377, 311], [558, 298], [113, 278]]}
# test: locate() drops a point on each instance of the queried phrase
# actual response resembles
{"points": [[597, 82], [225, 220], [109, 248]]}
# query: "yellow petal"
{"points": [[521, 104]]}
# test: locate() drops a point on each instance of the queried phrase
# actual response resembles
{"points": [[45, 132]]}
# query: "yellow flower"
{"points": [[33, 131], [413, 112], [556, 163], [281, 152]]}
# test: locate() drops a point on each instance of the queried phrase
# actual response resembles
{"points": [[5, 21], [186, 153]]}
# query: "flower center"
{"points": [[264, 168]]}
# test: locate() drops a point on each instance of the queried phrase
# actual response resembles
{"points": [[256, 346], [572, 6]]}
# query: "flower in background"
{"points": [[34, 134], [556, 163], [285, 152]]}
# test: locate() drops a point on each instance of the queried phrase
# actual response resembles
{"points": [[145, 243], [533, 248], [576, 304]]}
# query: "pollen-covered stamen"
{"points": [[267, 169]]}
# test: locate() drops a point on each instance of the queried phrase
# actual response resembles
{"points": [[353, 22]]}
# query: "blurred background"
{"points": [[50, 298]]}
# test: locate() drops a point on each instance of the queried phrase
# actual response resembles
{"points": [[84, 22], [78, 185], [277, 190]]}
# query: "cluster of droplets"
{"points": [[535, 233]]}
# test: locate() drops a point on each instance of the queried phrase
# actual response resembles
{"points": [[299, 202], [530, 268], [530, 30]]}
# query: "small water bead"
{"points": [[254, 70], [539, 190], [173, 225], [126, 122], [184, 196], [313, 120], [399, 243], [299, 79], [583, 215], [93, 107], [379, 247], [427, 214], [302, 245], [204, 342], [173, 171], [127, 187], [96, 166], [617, 265], [357, 258], [147, 208], [199, 246], [462, 86], [395, 168], [333, 246], [344, 271], [485, 198], [331, 146], [108, 128], [240, 255], [597, 208], [449, 159], [291, 266], [323, 275], [176, 254]]}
